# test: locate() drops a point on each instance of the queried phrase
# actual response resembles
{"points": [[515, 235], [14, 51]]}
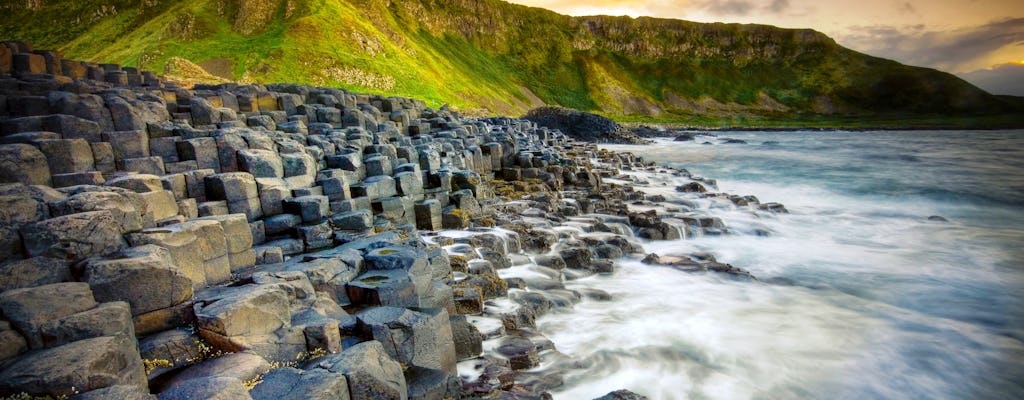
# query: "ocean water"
{"points": [[859, 294]]}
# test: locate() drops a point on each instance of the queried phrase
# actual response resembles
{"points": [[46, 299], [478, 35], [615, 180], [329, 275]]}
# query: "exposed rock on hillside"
{"points": [[504, 57], [581, 125]]}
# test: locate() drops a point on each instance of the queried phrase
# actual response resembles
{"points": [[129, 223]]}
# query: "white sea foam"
{"points": [[860, 294]]}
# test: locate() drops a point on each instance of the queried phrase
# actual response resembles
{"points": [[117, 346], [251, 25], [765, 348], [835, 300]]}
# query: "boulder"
{"points": [[261, 163], [208, 388], [65, 156], [32, 272], [144, 276], [84, 365], [74, 237], [202, 150], [415, 338], [238, 312], [296, 384], [120, 207], [312, 208], [427, 384], [625, 394], [107, 319], [521, 352], [11, 342], [467, 339], [359, 220], [189, 251], [371, 373], [577, 257], [179, 347], [90, 110], [128, 144], [231, 186], [692, 187], [29, 308], [138, 183], [23, 163], [375, 188], [244, 366], [329, 276], [120, 392]]}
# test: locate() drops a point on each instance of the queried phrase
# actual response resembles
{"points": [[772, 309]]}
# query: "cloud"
{"points": [[907, 8], [728, 7], [1000, 79], [959, 50], [778, 6]]}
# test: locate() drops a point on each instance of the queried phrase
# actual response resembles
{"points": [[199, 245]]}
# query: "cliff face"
{"points": [[503, 57]]}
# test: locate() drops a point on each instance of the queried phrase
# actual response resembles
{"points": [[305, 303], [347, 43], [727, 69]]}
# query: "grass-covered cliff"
{"points": [[505, 58]]}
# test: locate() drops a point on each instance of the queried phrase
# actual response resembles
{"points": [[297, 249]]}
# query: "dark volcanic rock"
{"points": [[582, 125]]}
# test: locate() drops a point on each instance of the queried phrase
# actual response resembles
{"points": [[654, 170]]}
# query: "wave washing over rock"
{"points": [[286, 241]]}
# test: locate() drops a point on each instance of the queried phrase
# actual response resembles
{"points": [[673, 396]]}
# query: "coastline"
{"points": [[252, 241]]}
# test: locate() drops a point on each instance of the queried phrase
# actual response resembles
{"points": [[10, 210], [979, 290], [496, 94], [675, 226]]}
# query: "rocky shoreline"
{"points": [[283, 241]]}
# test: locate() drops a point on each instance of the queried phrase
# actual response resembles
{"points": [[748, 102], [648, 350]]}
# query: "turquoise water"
{"points": [[860, 294]]}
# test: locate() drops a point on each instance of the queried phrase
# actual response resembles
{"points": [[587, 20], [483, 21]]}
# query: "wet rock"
{"points": [[427, 384], [468, 340], [490, 285], [697, 263], [521, 352], [622, 395], [468, 300], [577, 257], [692, 187], [774, 207]]}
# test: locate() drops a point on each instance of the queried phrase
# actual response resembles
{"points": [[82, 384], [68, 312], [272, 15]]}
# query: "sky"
{"points": [[979, 40]]}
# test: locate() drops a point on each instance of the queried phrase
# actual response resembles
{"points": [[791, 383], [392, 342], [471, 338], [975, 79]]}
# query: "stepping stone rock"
{"points": [[120, 392], [107, 319], [371, 373], [144, 276], [296, 384], [415, 338], [211, 388], [30, 308], [74, 237], [23, 163], [78, 366]]}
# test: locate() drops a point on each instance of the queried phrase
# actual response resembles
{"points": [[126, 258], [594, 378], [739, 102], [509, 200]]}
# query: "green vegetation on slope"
{"points": [[488, 54]]}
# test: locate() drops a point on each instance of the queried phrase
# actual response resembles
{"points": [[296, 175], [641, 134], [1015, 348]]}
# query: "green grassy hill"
{"points": [[497, 57]]}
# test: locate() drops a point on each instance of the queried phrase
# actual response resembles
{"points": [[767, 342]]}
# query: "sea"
{"points": [[898, 273]]}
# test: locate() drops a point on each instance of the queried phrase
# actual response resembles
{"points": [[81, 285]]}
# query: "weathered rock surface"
{"points": [[83, 366], [233, 226], [371, 373]]}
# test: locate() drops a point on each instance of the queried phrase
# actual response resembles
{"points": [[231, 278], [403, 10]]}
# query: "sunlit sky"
{"points": [[958, 36]]}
